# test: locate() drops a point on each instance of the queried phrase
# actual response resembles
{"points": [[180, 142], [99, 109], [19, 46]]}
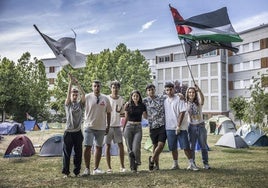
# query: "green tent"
{"points": [[220, 125]]}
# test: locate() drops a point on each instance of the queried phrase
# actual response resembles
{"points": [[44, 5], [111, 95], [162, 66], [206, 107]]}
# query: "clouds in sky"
{"points": [[103, 24]]}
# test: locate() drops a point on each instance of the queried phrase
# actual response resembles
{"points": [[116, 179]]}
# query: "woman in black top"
{"points": [[132, 128]]}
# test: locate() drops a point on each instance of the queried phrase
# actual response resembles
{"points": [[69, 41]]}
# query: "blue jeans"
{"points": [[199, 133]]}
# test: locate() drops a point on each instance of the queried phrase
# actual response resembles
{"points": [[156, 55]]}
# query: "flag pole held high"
{"points": [[65, 50]]}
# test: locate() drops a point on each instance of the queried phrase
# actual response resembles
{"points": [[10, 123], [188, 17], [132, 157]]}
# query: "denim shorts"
{"points": [[93, 136], [180, 140]]}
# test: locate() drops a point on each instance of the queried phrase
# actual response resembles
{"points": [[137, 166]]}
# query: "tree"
{"points": [[24, 88], [128, 67], [239, 105]]}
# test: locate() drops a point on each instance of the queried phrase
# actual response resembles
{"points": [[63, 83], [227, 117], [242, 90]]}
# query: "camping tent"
{"points": [[231, 140], [220, 125], [25, 142], [253, 135], [31, 126], [52, 147], [7, 128], [43, 125]]}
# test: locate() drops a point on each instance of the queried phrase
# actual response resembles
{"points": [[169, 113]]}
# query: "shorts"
{"points": [[174, 139], [91, 135], [115, 135], [158, 135]]}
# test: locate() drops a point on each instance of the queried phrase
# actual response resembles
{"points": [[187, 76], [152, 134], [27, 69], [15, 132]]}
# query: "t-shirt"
{"points": [[117, 109], [96, 109], [195, 113], [135, 112], [155, 111], [74, 116], [173, 107]]}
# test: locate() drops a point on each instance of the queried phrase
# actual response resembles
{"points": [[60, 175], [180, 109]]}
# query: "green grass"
{"points": [[230, 168]]}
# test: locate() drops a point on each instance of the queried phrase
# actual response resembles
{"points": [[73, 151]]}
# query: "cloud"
{"points": [[251, 22], [147, 25], [93, 31]]}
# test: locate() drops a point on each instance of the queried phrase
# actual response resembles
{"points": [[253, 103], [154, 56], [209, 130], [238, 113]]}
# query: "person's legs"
{"points": [[99, 136], [88, 142], [78, 140], [202, 139], [172, 139], [118, 139], [192, 131], [121, 154], [136, 145], [128, 134], [67, 150], [98, 153], [108, 155]]}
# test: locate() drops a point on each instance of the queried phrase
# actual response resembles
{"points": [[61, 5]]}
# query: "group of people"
{"points": [[101, 117]]}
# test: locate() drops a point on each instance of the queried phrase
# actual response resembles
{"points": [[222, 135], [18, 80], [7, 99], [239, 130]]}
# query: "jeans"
{"points": [[72, 140], [133, 137], [199, 133]]}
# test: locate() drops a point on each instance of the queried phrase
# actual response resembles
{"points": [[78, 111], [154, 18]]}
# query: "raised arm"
{"points": [[200, 95], [68, 97], [74, 80]]}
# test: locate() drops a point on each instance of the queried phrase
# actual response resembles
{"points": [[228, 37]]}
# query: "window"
{"points": [[164, 59], [160, 88], [167, 58], [214, 103], [194, 70], [224, 103], [51, 81], [178, 57], [168, 74], [205, 106], [51, 69], [246, 48], [223, 69], [256, 45], [214, 69], [160, 74], [204, 70], [236, 67], [246, 65], [214, 86], [224, 90], [237, 84], [176, 73], [256, 64], [185, 72], [204, 86], [211, 53], [247, 83]]}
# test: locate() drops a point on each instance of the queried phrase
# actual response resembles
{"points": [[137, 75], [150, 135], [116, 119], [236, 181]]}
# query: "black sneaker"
{"points": [[151, 164]]}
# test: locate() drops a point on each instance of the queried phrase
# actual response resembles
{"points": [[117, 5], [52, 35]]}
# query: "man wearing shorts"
{"points": [[97, 124], [156, 120], [115, 132], [175, 128]]}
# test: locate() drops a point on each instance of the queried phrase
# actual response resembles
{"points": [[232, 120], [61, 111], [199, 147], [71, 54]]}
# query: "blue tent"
{"points": [[7, 128], [31, 126]]}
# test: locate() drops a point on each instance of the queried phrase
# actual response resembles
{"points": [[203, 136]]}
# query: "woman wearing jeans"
{"points": [[197, 130], [132, 129]]}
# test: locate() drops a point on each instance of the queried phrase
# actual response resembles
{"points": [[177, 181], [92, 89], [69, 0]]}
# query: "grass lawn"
{"points": [[230, 168]]}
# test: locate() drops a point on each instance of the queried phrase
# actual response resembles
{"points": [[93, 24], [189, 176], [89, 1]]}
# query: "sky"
{"points": [[104, 24]]}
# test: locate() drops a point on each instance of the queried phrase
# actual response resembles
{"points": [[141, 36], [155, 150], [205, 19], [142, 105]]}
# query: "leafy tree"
{"points": [[238, 105], [24, 88]]}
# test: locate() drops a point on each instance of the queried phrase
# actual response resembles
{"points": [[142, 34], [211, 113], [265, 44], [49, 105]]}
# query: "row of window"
{"points": [[248, 47], [247, 65]]}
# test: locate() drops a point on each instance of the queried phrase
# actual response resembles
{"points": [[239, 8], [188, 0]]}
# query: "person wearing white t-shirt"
{"points": [[176, 128]]}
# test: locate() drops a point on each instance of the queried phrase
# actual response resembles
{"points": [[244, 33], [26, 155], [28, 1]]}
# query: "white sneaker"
{"points": [[175, 166], [206, 166], [123, 170], [97, 171], [109, 171], [193, 167], [86, 172]]}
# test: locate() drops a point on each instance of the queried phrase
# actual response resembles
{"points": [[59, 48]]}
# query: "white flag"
{"points": [[65, 50]]}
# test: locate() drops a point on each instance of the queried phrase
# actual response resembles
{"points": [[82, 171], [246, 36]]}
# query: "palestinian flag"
{"points": [[206, 32]]}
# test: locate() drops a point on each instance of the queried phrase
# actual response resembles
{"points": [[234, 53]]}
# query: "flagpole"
{"points": [[187, 62]]}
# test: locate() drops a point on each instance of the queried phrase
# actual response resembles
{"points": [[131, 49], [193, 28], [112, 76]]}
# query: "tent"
{"points": [[114, 149], [148, 145], [253, 135], [220, 125], [21, 141], [52, 147], [43, 125], [9, 128], [31, 126], [231, 140]]}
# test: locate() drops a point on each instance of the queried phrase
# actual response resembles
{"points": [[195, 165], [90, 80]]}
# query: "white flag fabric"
{"points": [[65, 50]]}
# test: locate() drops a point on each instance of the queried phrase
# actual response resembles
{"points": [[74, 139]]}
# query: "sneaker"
{"points": [[77, 175], [123, 170], [86, 172], [174, 167], [109, 171], [192, 167], [97, 171], [156, 167], [151, 164], [207, 167], [66, 176]]}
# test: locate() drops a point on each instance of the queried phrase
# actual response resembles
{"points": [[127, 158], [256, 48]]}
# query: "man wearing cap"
{"points": [[156, 120], [73, 137]]}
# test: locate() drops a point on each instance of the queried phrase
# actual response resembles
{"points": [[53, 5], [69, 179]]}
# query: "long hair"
{"points": [[196, 101], [131, 102]]}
